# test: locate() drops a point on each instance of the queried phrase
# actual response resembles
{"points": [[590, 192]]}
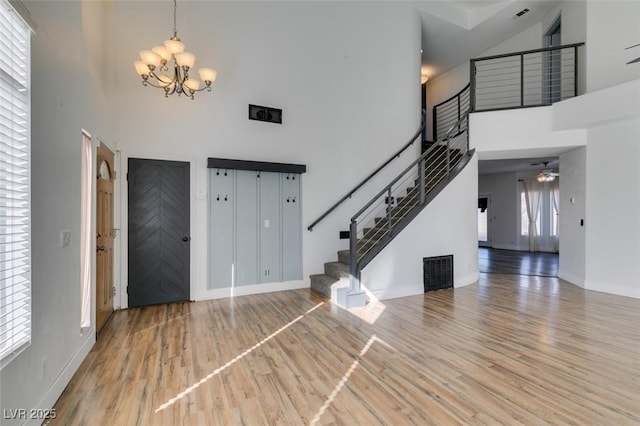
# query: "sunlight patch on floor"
{"points": [[370, 312], [345, 378], [218, 370]]}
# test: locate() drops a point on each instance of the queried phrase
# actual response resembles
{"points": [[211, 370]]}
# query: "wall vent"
{"points": [[438, 272]]}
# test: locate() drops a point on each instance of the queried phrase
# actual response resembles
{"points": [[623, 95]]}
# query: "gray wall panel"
{"points": [[246, 227], [291, 227], [270, 236], [221, 240]]}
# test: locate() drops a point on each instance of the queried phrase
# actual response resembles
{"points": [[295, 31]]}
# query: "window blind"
{"points": [[15, 171]]}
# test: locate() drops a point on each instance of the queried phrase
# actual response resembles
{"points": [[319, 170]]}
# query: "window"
{"points": [[85, 232], [15, 185], [524, 218], [553, 220]]}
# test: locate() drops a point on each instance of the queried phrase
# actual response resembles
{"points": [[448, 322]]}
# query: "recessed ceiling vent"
{"points": [[522, 12]]}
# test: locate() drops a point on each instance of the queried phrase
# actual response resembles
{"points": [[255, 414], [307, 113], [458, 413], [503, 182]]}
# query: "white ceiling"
{"points": [[454, 31], [533, 165]]}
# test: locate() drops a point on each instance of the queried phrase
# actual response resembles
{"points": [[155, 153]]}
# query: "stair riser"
{"points": [[343, 256], [336, 270]]}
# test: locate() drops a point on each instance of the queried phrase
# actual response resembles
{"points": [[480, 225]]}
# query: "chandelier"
{"points": [[155, 66]]}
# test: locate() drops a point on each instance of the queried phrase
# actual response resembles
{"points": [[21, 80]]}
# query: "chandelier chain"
{"points": [[175, 13]]}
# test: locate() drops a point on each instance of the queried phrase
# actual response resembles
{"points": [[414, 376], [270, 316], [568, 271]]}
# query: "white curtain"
{"points": [[85, 232], [533, 197], [554, 187]]}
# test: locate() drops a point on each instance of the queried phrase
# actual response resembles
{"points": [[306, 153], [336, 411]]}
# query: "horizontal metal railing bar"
{"points": [[411, 201], [529, 60], [375, 172], [510, 107], [525, 52], [449, 106], [454, 96]]}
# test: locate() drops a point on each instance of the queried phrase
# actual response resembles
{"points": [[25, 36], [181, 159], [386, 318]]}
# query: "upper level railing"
{"points": [[415, 136], [449, 112], [524, 79]]}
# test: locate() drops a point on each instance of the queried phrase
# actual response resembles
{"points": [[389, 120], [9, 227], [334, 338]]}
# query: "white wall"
{"points": [[611, 118], [66, 98], [520, 133], [613, 204], [346, 76], [448, 225], [612, 27], [504, 208], [572, 210]]}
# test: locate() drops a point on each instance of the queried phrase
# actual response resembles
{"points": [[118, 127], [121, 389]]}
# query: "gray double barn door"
{"points": [[254, 227], [158, 232]]}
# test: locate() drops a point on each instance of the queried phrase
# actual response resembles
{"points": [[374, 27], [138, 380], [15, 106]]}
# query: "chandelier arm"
{"points": [[207, 86], [154, 75], [150, 83]]}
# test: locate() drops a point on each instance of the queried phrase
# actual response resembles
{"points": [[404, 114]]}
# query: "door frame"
{"points": [[198, 244], [489, 242], [551, 57], [114, 171]]}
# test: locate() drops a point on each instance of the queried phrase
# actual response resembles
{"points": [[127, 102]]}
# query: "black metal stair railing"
{"points": [[386, 214]]}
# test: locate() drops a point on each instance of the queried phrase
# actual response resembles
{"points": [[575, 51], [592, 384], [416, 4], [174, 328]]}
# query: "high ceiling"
{"points": [[454, 31]]}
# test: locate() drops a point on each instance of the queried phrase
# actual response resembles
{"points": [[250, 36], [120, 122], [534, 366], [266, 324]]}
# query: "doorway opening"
{"points": [[484, 221], [553, 78]]}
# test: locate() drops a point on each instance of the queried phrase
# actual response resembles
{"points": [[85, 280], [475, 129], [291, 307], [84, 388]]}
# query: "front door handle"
{"points": [[100, 248]]}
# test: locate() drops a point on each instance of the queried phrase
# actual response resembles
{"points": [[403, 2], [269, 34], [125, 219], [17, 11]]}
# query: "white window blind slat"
{"points": [[15, 185]]}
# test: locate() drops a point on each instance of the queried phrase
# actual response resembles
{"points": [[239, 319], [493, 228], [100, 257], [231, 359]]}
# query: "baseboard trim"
{"points": [[414, 290], [613, 289], [246, 290], [571, 279], [395, 292], [52, 394], [467, 280]]}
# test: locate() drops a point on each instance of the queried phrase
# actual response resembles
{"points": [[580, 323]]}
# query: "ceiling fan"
{"points": [[546, 175]]}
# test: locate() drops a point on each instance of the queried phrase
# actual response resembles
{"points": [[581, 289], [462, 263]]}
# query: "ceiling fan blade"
{"points": [[634, 61], [630, 47]]}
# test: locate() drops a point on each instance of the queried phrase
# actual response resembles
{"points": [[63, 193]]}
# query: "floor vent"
{"points": [[438, 272]]}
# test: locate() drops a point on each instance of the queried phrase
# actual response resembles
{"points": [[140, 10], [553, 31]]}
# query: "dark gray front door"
{"points": [[158, 232]]}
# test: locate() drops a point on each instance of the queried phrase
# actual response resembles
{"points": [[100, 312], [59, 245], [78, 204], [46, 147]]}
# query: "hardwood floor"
{"points": [[509, 350], [496, 261]]}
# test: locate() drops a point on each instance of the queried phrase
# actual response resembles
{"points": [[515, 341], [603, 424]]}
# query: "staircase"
{"points": [[395, 206], [336, 275]]}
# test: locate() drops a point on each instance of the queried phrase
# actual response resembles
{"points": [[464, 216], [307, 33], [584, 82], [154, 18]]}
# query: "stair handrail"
{"points": [[355, 266], [375, 172]]}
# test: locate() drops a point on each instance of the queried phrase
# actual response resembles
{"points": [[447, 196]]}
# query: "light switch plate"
{"points": [[267, 223]]}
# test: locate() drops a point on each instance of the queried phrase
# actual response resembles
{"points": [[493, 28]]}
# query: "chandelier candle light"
{"points": [[154, 66]]}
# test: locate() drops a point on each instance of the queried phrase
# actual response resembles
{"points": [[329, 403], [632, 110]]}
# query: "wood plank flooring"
{"points": [[496, 261], [507, 350]]}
